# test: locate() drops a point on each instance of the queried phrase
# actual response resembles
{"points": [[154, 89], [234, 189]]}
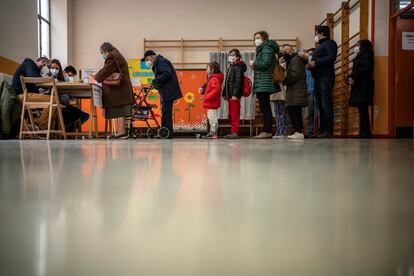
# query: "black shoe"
{"points": [[325, 135], [123, 136], [232, 136], [310, 136], [210, 136], [364, 136]]}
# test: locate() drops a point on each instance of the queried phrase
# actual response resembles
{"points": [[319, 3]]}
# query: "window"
{"points": [[43, 16]]}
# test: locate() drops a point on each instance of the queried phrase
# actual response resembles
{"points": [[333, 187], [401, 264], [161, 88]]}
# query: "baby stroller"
{"points": [[143, 111]]}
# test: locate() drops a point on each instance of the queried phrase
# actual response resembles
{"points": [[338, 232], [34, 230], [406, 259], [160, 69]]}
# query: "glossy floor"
{"points": [[191, 207]]}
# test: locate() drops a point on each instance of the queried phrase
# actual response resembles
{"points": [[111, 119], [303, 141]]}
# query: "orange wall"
{"points": [[381, 96]]}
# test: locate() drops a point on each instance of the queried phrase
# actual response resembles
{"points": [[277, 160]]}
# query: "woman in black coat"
{"points": [[362, 85], [297, 89]]}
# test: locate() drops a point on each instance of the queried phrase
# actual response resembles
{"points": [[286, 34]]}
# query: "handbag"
{"points": [[115, 78], [278, 74]]}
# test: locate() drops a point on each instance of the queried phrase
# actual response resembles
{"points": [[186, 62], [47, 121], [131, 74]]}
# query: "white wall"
{"points": [[18, 29], [125, 23], [59, 30], [381, 22]]}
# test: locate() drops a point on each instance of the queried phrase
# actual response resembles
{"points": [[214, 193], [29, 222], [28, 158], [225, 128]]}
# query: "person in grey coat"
{"points": [[297, 91]]}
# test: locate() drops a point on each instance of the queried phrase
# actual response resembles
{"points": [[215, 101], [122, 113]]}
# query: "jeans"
{"points": [[266, 109], [312, 112], [167, 118], [282, 121], [295, 114], [212, 115], [323, 92], [234, 114], [364, 121]]}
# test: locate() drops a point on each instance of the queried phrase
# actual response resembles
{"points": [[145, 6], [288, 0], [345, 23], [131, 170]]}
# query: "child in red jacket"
{"points": [[212, 97]]}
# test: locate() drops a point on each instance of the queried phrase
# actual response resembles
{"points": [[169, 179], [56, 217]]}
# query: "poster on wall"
{"points": [[188, 112], [408, 40], [189, 115]]}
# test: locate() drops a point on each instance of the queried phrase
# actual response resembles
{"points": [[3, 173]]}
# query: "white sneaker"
{"points": [[279, 137], [296, 135]]}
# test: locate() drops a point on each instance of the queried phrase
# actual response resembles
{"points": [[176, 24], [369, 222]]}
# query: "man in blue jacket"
{"points": [[166, 82], [323, 72], [30, 68]]}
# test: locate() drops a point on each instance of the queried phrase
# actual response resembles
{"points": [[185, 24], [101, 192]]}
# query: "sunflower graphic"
{"points": [[189, 97]]}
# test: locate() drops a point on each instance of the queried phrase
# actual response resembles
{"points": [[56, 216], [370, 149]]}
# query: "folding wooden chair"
{"points": [[29, 106]]}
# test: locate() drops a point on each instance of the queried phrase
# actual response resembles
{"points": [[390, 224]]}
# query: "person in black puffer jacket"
{"points": [[362, 85], [233, 90]]}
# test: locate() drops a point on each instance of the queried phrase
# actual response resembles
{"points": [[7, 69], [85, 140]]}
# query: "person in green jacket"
{"points": [[263, 85]]}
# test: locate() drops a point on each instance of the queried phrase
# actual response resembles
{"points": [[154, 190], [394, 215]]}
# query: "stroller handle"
{"points": [[149, 88]]}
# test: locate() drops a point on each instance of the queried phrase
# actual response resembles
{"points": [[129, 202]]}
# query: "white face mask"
{"points": [[44, 72], [356, 50], [104, 56], [258, 42], [54, 72], [148, 63], [316, 39], [232, 59]]}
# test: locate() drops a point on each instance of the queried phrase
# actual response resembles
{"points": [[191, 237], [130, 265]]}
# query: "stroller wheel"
{"points": [[152, 133], [135, 133], [163, 133]]}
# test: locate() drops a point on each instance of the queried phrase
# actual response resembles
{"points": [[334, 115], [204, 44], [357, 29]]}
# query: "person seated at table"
{"points": [[31, 68], [69, 71], [71, 114], [56, 70]]}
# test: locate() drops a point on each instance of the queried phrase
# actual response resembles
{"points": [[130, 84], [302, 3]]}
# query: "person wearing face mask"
{"points": [[312, 108], [166, 82], [279, 103], [322, 67], [117, 99], [233, 90], [212, 97], [362, 85], [71, 114], [56, 70], [296, 94], [263, 85], [30, 68], [69, 71], [36, 69]]}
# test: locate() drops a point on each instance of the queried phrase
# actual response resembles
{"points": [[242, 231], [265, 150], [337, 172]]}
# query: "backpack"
{"points": [[247, 87]]}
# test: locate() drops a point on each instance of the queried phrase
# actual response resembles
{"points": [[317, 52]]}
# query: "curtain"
{"points": [[248, 105]]}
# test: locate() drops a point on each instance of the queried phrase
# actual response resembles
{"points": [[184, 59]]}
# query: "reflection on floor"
{"points": [[191, 207]]}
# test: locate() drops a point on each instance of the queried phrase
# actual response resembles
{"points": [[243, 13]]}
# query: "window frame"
{"points": [[41, 20]]}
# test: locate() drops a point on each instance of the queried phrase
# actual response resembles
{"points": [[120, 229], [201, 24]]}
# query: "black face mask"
{"points": [[287, 57]]}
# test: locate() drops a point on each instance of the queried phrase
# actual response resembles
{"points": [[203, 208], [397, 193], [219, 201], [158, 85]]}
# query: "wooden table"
{"points": [[79, 91]]}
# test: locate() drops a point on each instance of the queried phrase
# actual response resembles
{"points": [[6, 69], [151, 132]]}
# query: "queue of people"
{"points": [[308, 78], [308, 82]]}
